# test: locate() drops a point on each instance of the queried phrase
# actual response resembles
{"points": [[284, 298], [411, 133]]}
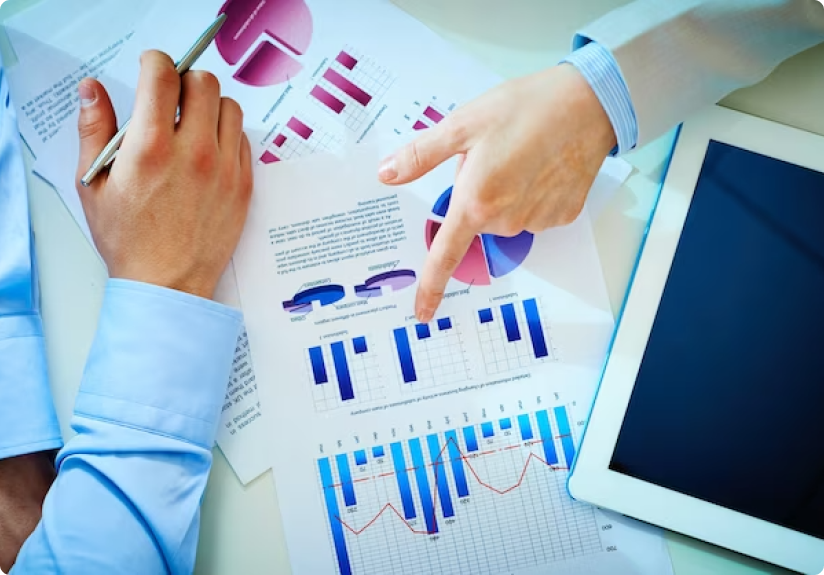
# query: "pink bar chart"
{"points": [[433, 114], [269, 158], [300, 136], [280, 140], [299, 128], [346, 60], [347, 87], [328, 99]]}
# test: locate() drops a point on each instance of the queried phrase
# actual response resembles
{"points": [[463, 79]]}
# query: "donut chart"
{"points": [[489, 256], [253, 24]]}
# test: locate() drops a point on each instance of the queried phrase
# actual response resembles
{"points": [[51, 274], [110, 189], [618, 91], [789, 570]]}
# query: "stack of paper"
{"points": [[352, 402]]}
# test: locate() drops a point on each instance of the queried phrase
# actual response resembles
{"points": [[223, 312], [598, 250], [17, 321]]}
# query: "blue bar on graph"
{"points": [[346, 480], [566, 435], [444, 324], [546, 435], [439, 468], [485, 315], [422, 330], [405, 355], [457, 463], [422, 478], [536, 331], [486, 429], [510, 322], [318, 367], [470, 438], [403, 480], [359, 345], [334, 516], [377, 451], [342, 371], [526, 427], [505, 423], [360, 457]]}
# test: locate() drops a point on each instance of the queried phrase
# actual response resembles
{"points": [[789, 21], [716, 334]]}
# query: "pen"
{"points": [[182, 66]]}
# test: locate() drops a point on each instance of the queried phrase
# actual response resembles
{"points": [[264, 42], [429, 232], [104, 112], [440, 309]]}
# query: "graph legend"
{"points": [[514, 335], [343, 373]]}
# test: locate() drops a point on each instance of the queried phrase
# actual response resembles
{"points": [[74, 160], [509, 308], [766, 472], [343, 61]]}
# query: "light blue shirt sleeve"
{"points": [[597, 64], [129, 485], [27, 419]]}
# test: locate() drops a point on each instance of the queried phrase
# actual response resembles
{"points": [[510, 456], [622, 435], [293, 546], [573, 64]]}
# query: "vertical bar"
{"points": [[439, 469], [485, 315], [377, 451], [347, 87], [280, 140], [505, 423], [422, 330], [486, 429], [402, 476], [433, 114], [333, 513], [299, 128], [359, 345], [470, 438], [360, 457], [546, 435], [526, 427], [536, 331], [422, 479], [346, 480], [419, 126], [566, 435], [510, 322], [320, 94], [444, 324], [318, 367], [457, 463], [342, 371], [405, 355], [269, 158], [346, 60]]}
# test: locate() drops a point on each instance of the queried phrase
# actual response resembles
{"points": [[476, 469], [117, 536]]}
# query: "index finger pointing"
{"points": [[449, 247], [158, 93]]}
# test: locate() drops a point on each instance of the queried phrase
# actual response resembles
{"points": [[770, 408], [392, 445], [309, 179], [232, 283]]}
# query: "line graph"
{"points": [[436, 496]]}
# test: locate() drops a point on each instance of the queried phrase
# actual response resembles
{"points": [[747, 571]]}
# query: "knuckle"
{"points": [[203, 156], [153, 141], [479, 212], [455, 132], [204, 81], [231, 107], [91, 125]]}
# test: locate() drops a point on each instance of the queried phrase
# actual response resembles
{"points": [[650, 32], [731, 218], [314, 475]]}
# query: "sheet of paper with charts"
{"points": [[400, 447], [310, 77]]}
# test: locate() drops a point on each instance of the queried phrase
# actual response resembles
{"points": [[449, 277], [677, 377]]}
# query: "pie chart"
{"points": [[489, 256], [275, 30]]}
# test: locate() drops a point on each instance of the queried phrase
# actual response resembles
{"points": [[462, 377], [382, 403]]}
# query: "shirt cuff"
{"points": [[160, 362], [28, 422], [602, 72]]}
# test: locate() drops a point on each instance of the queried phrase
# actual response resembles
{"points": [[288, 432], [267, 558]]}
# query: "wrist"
{"points": [[586, 104]]}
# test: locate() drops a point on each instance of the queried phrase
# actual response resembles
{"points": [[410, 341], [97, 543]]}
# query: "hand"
{"points": [[171, 209], [530, 150]]}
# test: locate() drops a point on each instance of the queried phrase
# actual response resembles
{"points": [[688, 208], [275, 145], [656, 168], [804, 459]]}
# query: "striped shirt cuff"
{"points": [[601, 70]]}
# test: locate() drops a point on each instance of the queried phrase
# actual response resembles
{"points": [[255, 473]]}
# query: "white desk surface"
{"points": [[241, 530]]}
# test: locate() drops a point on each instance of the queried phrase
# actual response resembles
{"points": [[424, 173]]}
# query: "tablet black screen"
{"points": [[728, 405]]}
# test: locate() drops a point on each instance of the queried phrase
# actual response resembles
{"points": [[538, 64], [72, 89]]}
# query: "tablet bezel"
{"points": [[591, 479]]}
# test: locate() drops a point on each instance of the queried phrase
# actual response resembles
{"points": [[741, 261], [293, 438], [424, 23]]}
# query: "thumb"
{"points": [[432, 148], [451, 242], [96, 126]]}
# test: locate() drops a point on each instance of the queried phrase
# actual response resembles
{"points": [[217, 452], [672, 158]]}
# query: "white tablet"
{"points": [[710, 415]]}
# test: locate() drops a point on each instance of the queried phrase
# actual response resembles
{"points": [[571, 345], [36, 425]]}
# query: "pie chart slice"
{"points": [[505, 254], [472, 269]]}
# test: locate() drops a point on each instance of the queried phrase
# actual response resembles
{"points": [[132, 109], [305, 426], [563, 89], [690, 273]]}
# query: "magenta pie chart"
{"points": [[489, 256], [276, 31]]}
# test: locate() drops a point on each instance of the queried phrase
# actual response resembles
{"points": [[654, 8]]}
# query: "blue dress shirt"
{"points": [[602, 72], [129, 484]]}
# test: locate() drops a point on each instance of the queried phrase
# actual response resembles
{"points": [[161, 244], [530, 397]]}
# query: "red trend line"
{"points": [[437, 465]]}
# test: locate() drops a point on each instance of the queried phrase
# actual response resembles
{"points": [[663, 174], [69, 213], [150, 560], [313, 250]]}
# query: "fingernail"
{"points": [[388, 169], [87, 93]]}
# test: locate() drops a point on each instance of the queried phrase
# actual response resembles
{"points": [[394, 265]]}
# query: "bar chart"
{"points": [[427, 500], [298, 138], [515, 335], [351, 87], [429, 355], [343, 373]]}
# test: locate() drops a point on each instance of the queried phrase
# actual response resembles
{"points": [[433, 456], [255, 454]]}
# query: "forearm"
{"points": [[129, 484]]}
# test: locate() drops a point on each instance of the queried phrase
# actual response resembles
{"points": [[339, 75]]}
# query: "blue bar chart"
{"points": [[429, 355], [343, 372], [514, 335], [444, 485]]}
